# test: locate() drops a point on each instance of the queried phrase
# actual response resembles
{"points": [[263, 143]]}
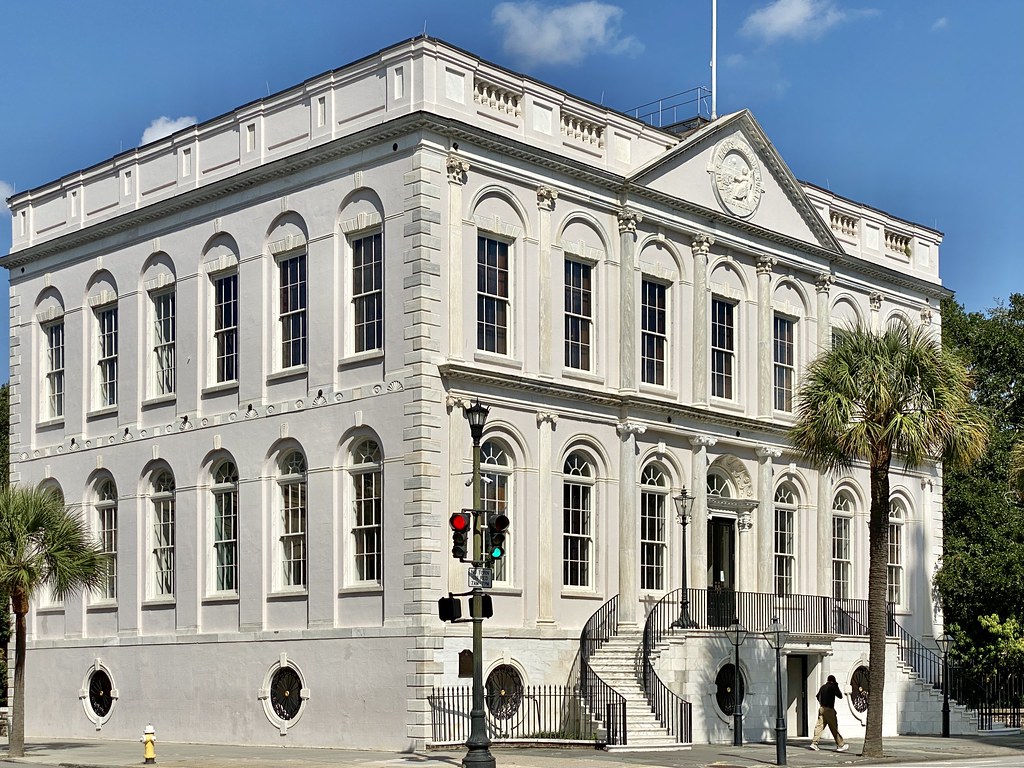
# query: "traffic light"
{"points": [[461, 524], [497, 527], [449, 608]]}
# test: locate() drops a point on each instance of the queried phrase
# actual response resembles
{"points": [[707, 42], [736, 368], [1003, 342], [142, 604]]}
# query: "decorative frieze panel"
{"points": [[497, 98], [581, 129]]}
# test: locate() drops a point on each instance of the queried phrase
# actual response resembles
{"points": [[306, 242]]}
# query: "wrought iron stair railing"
{"points": [[606, 704], [673, 712]]}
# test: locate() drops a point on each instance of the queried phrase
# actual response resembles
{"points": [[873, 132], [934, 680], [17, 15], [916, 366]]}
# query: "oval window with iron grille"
{"points": [[729, 691], [100, 687], [860, 687], [503, 691], [285, 688]]}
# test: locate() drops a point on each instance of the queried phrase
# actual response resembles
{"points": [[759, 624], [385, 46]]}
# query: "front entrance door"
{"points": [[797, 695], [721, 571]]}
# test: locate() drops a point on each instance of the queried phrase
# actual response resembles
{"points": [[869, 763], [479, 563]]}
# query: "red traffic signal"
{"points": [[461, 524], [461, 521]]}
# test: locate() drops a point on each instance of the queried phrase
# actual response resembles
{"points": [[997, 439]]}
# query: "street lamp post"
{"points": [[776, 635], [684, 504], [945, 642], [478, 753], [737, 634]]}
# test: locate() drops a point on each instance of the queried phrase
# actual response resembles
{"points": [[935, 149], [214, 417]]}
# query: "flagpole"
{"points": [[714, 59]]}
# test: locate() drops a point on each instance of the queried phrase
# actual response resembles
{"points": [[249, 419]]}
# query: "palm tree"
{"points": [[1017, 468], [42, 544], [871, 397]]}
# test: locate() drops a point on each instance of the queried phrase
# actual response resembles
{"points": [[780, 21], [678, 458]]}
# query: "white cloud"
{"points": [[735, 61], [6, 190], [565, 34], [798, 19], [165, 126], [940, 23]]}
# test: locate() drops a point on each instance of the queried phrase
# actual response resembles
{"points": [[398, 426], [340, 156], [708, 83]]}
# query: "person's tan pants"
{"points": [[827, 716]]}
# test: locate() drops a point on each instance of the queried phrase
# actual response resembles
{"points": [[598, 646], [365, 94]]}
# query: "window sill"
{"points": [[370, 588], [220, 388], [581, 595], [659, 390], [494, 359], [161, 400], [581, 375], [110, 410], [726, 405], [50, 423], [220, 597], [508, 591], [49, 610], [288, 374], [167, 601], [100, 606], [289, 594], [360, 357]]}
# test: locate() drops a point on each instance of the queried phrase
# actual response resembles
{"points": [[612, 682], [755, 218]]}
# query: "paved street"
{"points": [[908, 752]]}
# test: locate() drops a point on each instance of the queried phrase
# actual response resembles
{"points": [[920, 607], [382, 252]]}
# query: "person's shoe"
{"points": [[813, 746], [843, 748]]}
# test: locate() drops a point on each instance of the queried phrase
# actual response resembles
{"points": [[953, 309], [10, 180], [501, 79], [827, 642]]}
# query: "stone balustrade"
{"points": [[581, 129], [497, 98]]}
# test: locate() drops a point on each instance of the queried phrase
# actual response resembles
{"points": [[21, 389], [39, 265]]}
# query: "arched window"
{"points": [[653, 544], [495, 492], [367, 504], [292, 485], [842, 562], [225, 526], [106, 520], [577, 521], [785, 544], [897, 517], [718, 485], [162, 500]]}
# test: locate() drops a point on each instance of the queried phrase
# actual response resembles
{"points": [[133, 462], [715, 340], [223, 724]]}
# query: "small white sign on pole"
{"points": [[481, 577]]}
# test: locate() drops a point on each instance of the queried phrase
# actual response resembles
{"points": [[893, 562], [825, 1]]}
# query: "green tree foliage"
{"points": [[981, 581], [5, 481], [42, 544], [873, 398]]}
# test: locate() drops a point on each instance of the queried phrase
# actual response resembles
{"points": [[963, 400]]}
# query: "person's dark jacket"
{"points": [[827, 695]]}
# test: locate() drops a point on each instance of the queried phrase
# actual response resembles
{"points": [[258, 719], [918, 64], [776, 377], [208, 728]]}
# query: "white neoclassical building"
{"points": [[244, 352]]}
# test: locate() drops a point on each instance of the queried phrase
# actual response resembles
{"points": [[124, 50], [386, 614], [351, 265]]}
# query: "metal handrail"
{"points": [[605, 703], [673, 711]]}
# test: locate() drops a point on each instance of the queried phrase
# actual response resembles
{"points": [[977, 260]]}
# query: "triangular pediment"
{"points": [[729, 166]]}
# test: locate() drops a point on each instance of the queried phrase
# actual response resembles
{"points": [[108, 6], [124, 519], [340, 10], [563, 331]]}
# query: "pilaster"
{"points": [[765, 336], [546, 523], [875, 301], [700, 247], [546, 197], [628, 221], [822, 284], [823, 540], [457, 169], [629, 594], [766, 518], [699, 521]]}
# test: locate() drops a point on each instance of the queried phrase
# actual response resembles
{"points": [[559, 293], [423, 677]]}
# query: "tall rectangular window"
{"points": [[292, 283], [653, 332], [162, 499], [225, 327], [495, 489], [106, 513], [785, 539], [492, 295], [723, 348], [164, 335], [577, 531], [784, 363], [578, 315], [54, 333], [293, 520], [225, 527], [368, 501], [894, 570], [841, 562], [653, 545], [368, 292], [106, 319]]}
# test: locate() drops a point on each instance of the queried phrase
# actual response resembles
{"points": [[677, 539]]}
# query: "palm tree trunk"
{"points": [[17, 732], [878, 549]]}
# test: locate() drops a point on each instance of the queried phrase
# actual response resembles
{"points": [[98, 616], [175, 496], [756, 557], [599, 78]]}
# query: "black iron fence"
{"points": [[533, 713], [604, 702]]}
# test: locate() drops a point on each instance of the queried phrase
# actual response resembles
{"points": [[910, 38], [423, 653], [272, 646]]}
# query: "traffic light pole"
{"points": [[478, 745]]}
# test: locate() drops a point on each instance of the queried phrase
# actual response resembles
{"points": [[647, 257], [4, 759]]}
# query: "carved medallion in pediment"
{"points": [[736, 176]]}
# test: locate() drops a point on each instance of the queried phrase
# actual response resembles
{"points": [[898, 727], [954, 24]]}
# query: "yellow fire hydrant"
{"points": [[149, 745]]}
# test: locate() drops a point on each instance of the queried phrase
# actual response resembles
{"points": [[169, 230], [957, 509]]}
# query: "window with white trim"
{"points": [[578, 314], [653, 532], [54, 395], [785, 539], [842, 562], [894, 567], [225, 526], [368, 292], [495, 495], [368, 511], [492, 295], [577, 521], [162, 501], [653, 332], [225, 327], [106, 520], [292, 487], [718, 485], [723, 348], [106, 358], [164, 337], [785, 362], [292, 319]]}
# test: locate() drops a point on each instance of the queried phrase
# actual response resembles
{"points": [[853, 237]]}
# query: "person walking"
{"points": [[826, 696]]}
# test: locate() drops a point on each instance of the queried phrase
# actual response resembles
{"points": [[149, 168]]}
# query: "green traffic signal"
{"points": [[497, 528]]}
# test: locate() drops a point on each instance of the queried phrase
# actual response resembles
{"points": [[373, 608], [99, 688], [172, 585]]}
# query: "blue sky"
{"points": [[911, 106]]}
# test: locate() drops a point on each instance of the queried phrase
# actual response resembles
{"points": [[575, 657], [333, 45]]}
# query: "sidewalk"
{"points": [[114, 754]]}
